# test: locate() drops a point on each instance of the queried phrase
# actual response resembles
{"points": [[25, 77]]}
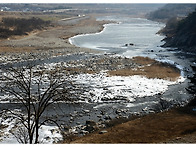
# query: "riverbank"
{"points": [[173, 126], [53, 37]]}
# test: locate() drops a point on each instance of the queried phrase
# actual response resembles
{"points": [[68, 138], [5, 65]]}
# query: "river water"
{"points": [[141, 33], [128, 37], [131, 37]]}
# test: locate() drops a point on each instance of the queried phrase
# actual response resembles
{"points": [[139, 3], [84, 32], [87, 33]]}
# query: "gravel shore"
{"points": [[53, 38], [173, 126]]}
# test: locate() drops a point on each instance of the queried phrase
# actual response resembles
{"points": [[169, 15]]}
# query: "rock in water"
{"points": [[91, 123], [131, 44]]}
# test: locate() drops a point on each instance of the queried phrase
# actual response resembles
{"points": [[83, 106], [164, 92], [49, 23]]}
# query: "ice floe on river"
{"points": [[116, 88]]}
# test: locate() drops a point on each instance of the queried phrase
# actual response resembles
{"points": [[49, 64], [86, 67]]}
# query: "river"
{"points": [[131, 37], [128, 37], [117, 37]]}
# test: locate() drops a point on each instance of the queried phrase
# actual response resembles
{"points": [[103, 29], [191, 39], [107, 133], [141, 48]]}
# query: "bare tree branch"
{"points": [[36, 91]]}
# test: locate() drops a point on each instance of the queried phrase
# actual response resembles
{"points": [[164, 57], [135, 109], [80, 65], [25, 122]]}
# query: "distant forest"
{"points": [[181, 33], [20, 26], [170, 11], [180, 29]]}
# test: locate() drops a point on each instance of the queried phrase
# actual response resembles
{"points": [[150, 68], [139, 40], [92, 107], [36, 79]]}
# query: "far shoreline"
{"points": [[101, 26]]}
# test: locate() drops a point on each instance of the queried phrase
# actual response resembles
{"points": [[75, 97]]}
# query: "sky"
{"points": [[97, 1]]}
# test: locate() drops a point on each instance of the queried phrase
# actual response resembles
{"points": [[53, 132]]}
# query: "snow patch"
{"points": [[47, 134], [105, 88]]}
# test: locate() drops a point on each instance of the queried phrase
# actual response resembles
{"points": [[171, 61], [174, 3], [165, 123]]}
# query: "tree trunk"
{"points": [[37, 131]]}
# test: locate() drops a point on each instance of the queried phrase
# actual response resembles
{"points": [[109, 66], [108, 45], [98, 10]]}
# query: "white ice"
{"points": [[47, 134], [130, 87]]}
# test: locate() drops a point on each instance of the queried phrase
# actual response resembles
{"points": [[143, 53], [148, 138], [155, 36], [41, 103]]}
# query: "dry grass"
{"points": [[149, 68], [62, 32], [143, 60], [154, 128], [4, 49], [92, 22]]}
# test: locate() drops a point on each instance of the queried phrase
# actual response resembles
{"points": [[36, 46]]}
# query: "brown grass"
{"points": [[91, 22], [15, 49], [154, 128], [149, 68], [143, 60]]}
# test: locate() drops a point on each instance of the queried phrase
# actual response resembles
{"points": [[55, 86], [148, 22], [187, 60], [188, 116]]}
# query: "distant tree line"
{"points": [[181, 33], [34, 7], [180, 29], [170, 11], [20, 26]]}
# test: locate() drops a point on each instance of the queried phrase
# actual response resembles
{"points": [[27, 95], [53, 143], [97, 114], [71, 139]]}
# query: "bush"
{"points": [[5, 33], [20, 26]]}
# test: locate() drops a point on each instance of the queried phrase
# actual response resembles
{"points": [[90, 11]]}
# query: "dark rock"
{"points": [[118, 111], [89, 128], [107, 117], [165, 104], [80, 115], [192, 102], [47, 138], [65, 128], [102, 112], [83, 132], [99, 116], [78, 123], [91, 123]]}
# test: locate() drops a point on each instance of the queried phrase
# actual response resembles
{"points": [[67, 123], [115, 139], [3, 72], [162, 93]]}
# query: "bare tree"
{"points": [[36, 89]]}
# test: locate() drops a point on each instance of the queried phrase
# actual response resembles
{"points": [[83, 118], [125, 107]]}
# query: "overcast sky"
{"points": [[97, 1]]}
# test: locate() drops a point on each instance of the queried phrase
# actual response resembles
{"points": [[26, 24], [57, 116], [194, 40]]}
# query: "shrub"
{"points": [[20, 26]]}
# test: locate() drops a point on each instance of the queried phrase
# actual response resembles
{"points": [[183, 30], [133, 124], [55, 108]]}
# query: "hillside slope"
{"points": [[170, 11], [181, 33]]}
